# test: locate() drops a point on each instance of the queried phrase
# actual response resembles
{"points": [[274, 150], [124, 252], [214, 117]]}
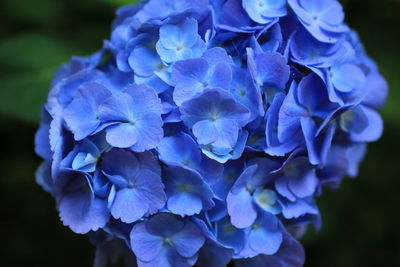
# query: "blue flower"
{"points": [[202, 131], [232, 170], [322, 18], [215, 118], [191, 77], [83, 157], [308, 51], [265, 11], [178, 42], [213, 253], [362, 124], [290, 253], [79, 207], [165, 240], [229, 235], [245, 91], [273, 146], [223, 154], [138, 189], [262, 237], [270, 70], [181, 150], [82, 114], [158, 10], [230, 16], [346, 83], [299, 208], [134, 117], [308, 111], [187, 192], [42, 141], [297, 179], [242, 206]]}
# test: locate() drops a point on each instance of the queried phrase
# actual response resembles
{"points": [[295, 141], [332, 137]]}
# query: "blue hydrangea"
{"points": [[202, 131]]}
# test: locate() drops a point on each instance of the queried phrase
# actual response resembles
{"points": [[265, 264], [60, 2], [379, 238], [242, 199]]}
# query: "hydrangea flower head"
{"points": [[202, 132]]}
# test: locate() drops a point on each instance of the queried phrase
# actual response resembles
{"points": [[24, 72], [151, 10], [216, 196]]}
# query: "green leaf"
{"points": [[28, 64], [32, 52], [22, 95], [121, 2]]}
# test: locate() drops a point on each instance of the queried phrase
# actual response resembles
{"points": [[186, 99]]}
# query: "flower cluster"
{"points": [[203, 130]]}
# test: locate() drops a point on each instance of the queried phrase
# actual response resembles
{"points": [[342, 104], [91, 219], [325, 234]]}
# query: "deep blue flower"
{"points": [[178, 42], [187, 192], [215, 118], [134, 117], [322, 18], [138, 189], [164, 240]]}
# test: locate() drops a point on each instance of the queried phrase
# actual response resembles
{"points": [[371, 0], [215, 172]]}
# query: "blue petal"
{"points": [[164, 224], [122, 135], [317, 146], [272, 70], [184, 204], [312, 93], [144, 61], [120, 162], [288, 122], [265, 237], [241, 209], [230, 236], [290, 254], [187, 192], [180, 149], [190, 77], [188, 241], [273, 146], [82, 114], [264, 11], [129, 205], [183, 34], [150, 133], [145, 245], [79, 208], [374, 128]]}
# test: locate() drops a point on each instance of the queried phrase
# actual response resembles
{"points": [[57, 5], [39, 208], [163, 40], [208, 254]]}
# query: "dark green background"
{"points": [[361, 221]]}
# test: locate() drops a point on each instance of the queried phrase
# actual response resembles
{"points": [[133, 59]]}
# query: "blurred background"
{"points": [[361, 221]]}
